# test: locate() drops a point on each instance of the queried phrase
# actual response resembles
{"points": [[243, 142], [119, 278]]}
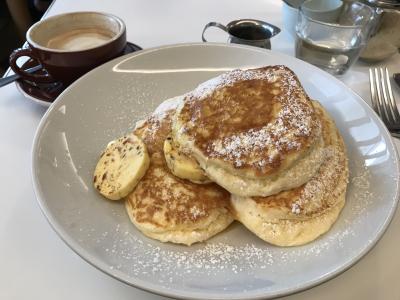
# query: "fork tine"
{"points": [[378, 88], [373, 91], [393, 106], [385, 100]]}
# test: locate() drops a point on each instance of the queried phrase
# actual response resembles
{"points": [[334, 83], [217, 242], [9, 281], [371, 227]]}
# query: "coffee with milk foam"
{"points": [[80, 39]]}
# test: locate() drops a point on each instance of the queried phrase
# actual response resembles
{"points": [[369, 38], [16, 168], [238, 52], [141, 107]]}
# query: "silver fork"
{"points": [[383, 101]]}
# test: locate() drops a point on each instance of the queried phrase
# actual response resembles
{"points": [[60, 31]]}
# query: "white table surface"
{"points": [[36, 264]]}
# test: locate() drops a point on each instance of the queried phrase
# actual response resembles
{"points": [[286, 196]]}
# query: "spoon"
{"points": [[7, 80]]}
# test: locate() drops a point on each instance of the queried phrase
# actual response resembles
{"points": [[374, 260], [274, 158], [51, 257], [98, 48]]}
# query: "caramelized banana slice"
{"points": [[181, 165]]}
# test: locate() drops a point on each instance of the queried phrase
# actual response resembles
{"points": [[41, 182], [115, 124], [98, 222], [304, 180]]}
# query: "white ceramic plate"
{"points": [[106, 102]]}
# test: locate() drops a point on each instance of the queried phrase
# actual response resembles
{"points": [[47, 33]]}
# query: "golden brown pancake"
{"points": [[300, 215], [154, 130], [170, 209], [248, 129]]}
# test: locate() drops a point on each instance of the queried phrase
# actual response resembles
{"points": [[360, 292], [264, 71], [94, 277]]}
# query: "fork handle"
{"points": [[395, 134]]}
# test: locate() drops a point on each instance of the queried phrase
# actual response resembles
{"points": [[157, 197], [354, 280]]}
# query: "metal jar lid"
{"points": [[385, 4]]}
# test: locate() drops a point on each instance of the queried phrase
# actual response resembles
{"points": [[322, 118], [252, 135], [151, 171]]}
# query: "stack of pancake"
{"points": [[247, 145]]}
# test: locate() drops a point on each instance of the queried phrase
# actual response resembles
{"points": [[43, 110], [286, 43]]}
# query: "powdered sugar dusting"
{"points": [[167, 105], [196, 212], [227, 79], [170, 265], [235, 259], [361, 189], [326, 182], [154, 129], [292, 127], [277, 137], [296, 208]]}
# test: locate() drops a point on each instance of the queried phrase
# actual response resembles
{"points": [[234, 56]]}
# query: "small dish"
{"points": [[45, 94]]}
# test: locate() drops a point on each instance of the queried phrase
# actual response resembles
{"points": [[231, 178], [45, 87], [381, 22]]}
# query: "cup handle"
{"points": [[212, 24], [37, 78]]}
